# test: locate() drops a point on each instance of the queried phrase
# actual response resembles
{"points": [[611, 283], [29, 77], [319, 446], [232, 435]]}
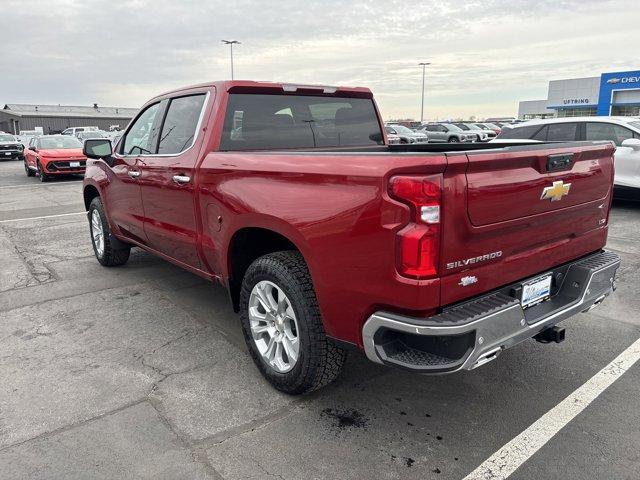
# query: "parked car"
{"points": [[481, 135], [492, 126], [623, 131], [492, 130], [407, 135], [446, 132], [10, 147], [423, 257], [75, 130], [91, 134], [392, 137], [54, 155]]}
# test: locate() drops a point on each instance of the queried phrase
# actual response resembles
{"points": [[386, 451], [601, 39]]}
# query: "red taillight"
{"points": [[419, 241]]}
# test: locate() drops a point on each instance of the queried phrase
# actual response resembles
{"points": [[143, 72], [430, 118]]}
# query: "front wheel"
{"points": [[282, 325], [454, 140], [103, 247], [27, 170], [41, 175]]}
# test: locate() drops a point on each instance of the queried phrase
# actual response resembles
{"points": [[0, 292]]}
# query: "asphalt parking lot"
{"points": [[141, 372]]}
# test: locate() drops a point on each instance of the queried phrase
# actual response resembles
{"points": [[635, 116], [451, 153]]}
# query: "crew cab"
{"points": [[49, 156], [433, 258]]}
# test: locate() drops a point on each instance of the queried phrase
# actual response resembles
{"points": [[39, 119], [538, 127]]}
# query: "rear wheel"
{"points": [[282, 325], [27, 170], [103, 247]]}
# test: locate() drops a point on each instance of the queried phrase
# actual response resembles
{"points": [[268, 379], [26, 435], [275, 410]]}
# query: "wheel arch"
{"points": [[89, 193], [246, 245]]}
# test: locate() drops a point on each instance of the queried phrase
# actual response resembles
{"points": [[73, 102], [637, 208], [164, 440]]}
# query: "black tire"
{"points": [[41, 175], [111, 256], [319, 361], [454, 140], [27, 170]]}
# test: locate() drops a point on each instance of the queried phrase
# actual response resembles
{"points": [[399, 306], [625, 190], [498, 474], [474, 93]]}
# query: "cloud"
{"points": [[486, 55]]}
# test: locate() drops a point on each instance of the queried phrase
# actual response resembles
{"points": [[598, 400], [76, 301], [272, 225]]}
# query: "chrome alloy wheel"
{"points": [[274, 327], [97, 233]]}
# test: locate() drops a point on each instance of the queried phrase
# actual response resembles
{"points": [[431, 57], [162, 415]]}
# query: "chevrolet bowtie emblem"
{"points": [[555, 192]]}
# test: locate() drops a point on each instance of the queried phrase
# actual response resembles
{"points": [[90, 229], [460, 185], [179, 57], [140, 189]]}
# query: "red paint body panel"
{"points": [[334, 207]]}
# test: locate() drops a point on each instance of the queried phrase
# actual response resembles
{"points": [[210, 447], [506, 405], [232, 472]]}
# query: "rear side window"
{"points": [[180, 123], [262, 122], [562, 132], [520, 132], [607, 131]]}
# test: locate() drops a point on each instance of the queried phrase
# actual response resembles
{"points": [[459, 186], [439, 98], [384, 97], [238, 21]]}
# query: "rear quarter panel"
{"points": [[335, 209]]}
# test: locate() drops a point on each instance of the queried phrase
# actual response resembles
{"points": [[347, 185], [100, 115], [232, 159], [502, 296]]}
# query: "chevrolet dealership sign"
{"points": [[615, 80]]}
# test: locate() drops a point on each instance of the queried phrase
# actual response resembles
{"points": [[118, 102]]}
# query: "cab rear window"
{"points": [[267, 122]]}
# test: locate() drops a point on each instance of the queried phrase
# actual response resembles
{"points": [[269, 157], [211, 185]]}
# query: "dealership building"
{"points": [[615, 93]]}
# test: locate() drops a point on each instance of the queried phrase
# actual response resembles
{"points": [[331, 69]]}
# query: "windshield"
{"points": [[7, 138], [59, 142], [462, 126], [402, 129], [94, 134], [451, 127]]}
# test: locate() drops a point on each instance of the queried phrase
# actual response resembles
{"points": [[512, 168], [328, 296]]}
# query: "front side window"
{"points": [[257, 121], [609, 131], [180, 123], [139, 138]]}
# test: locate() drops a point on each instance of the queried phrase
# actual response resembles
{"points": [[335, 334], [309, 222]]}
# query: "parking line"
{"points": [[38, 218], [508, 459], [39, 184]]}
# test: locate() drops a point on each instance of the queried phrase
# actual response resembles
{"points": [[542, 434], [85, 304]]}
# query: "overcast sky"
{"points": [[486, 54]]}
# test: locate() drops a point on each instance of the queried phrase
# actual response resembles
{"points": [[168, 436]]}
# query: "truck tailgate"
{"points": [[508, 185], [514, 212]]}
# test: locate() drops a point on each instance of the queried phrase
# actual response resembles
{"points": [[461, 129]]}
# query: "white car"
{"points": [[623, 131]]}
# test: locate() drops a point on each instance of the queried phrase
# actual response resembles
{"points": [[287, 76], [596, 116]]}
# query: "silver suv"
{"points": [[470, 128], [445, 132]]}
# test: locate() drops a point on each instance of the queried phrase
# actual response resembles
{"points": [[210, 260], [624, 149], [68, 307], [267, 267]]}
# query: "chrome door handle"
{"points": [[181, 179], [134, 173]]}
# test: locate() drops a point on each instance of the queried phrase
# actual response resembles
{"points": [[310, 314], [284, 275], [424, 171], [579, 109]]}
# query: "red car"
{"points": [[53, 155], [429, 257]]}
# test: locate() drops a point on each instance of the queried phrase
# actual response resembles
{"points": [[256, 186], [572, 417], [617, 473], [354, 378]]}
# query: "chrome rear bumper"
{"points": [[471, 333]]}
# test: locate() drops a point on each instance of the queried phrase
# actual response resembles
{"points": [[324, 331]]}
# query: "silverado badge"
{"points": [[555, 193]]}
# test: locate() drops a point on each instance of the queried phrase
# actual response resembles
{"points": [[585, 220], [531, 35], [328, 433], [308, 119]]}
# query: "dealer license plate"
{"points": [[74, 164], [7, 153], [536, 291]]}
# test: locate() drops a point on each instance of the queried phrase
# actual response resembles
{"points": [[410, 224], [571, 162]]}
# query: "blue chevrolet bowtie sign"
{"points": [[610, 83]]}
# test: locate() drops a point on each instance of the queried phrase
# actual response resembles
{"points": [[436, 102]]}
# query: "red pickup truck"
{"points": [[433, 258]]}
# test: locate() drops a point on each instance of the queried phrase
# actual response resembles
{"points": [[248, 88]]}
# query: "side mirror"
{"points": [[32, 148], [633, 143], [98, 149]]}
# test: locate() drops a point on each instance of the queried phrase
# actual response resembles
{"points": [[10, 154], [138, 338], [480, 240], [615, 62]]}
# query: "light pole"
{"points": [[424, 66], [230, 43]]}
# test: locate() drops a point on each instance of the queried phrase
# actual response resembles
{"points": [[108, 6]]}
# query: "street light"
{"points": [[424, 66], [230, 43]]}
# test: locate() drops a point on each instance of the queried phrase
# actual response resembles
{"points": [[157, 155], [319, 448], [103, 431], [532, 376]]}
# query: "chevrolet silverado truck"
{"points": [[433, 258]]}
